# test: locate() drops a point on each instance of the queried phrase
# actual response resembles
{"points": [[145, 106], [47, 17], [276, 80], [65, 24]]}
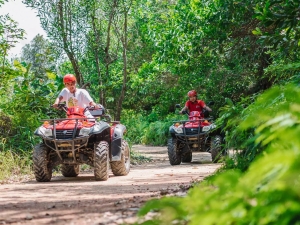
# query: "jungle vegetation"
{"points": [[139, 58]]}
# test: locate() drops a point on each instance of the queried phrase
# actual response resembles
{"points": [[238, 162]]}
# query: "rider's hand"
{"points": [[180, 112], [55, 106], [94, 106]]}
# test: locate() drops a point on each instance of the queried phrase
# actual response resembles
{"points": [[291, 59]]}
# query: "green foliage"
{"points": [[268, 192], [157, 133], [283, 17], [135, 125], [2, 2], [13, 165], [10, 34], [41, 56], [28, 101], [224, 49], [231, 116], [204, 45], [148, 129]]}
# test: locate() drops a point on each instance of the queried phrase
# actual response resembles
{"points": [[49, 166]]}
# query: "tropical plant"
{"points": [[267, 193]]}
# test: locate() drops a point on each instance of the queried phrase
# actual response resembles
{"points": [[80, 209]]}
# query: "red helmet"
{"points": [[192, 93], [69, 78]]}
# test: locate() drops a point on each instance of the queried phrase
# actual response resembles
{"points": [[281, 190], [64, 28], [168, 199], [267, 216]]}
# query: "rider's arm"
{"points": [[57, 100], [183, 109], [88, 99], [207, 108]]}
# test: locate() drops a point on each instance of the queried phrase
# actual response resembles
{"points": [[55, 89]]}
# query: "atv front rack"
{"points": [[197, 138], [71, 144]]}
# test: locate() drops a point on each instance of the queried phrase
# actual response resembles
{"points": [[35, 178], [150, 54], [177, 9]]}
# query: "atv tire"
{"points": [[174, 156], [215, 148], [101, 161], [70, 171], [41, 166], [187, 157], [122, 168]]}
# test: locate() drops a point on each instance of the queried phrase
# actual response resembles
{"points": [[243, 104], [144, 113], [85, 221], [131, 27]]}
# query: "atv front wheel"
{"points": [[41, 166], [121, 168], [174, 156], [70, 171], [101, 161], [215, 148], [187, 157]]}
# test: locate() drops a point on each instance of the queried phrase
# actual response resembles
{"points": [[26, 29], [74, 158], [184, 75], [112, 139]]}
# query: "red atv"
{"points": [[77, 140], [197, 134]]}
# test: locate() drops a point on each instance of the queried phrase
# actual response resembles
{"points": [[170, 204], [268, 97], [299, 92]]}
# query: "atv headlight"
{"points": [[48, 132], [213, 126], [84, 131], [206, 128], [43, 131], [178, 130]]}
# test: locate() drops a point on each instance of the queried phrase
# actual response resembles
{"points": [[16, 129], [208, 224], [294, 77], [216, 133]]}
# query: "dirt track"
{"points": [[82, 200]]}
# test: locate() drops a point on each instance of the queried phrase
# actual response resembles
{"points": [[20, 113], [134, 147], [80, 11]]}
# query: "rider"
{"points": [[75, 96], [193, 104]]}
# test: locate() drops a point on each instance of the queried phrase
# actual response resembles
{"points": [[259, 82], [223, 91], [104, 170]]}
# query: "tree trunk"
{"points": [[67, 45], [96, 52], [108, 59], [122, 95]]}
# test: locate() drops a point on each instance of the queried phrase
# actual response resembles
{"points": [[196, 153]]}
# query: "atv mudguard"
{"points": [[116, 142], [172, 131], [99, 127]]}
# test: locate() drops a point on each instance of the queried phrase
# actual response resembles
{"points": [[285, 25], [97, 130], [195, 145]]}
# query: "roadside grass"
{"points": [[14, 167], [137, 158]]}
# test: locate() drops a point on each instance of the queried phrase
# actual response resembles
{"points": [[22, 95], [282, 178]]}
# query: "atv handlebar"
{"points": [[60, 106], [65, 108], [204, 112], [184, 112], [95, 112]]}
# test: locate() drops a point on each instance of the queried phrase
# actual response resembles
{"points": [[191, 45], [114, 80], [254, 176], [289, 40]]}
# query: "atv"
{"points": [[75, 140], [197, 134]]}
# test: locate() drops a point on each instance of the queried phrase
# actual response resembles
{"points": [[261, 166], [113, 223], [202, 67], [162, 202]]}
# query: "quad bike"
{"points": [[77, 140], [198, 134]]}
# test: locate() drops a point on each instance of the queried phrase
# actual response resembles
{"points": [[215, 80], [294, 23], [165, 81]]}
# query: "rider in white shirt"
{"points": [[75, 96]]}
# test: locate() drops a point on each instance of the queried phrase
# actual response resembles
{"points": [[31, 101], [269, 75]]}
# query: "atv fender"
{"points": [[99, 127], [172, 131], [116, 142]]}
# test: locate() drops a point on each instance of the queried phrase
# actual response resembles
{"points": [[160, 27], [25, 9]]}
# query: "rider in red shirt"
{"points": [[193, 104]]}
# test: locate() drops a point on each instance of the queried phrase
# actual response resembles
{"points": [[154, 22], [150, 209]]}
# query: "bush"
{"points": [[14, 166], [135, 125], [268, 192], [142, 129]]}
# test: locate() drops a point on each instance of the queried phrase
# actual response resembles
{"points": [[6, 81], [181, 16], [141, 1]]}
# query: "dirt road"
{"points": [[82, 200]]}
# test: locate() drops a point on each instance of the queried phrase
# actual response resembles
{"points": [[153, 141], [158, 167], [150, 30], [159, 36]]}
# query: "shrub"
{"points": [[268, 192], [14, 166]]}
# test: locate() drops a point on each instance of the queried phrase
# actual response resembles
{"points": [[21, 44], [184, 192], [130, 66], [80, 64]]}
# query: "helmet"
{"points": [[69, 78], [192, 93]]}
